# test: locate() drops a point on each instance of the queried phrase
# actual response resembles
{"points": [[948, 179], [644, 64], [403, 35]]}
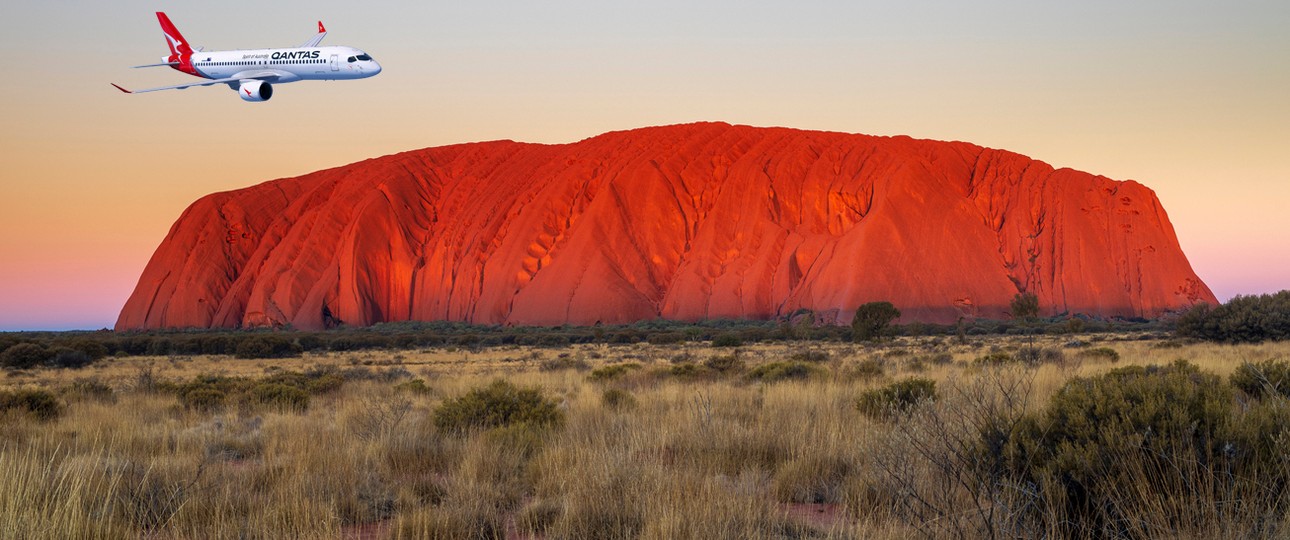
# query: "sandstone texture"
{"points": [[684, 222]]}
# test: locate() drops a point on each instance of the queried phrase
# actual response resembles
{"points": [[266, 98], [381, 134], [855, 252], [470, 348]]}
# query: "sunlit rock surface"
{"points": [[680, 222]]}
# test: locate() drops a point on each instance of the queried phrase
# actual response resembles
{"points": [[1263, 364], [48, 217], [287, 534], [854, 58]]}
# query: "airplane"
{"points": [[254, 72]]}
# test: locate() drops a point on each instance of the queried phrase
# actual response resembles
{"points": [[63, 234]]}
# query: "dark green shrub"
{"points": [[867, 370], [872, 320], [498, 404], [24, 356], [563, 363], [1267, 378], [1243, 319], [267, 346], [782, 371], [1100, 433], [90, 389], [416, 386], [617, 399], [727, 340], [996, 359], [810, 356], [897, 397], [1100, 353], [279, 396], [666, 338], [611, 372], [1024, 306], [67, 357], [727, 363], [688, 370], [40, 404], [203, 399], [91, 347]]}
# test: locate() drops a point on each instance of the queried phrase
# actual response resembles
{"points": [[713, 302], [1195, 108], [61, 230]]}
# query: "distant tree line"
{"points": [[25, 350]]}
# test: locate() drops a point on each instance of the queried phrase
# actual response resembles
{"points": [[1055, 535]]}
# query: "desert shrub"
{"points": [[897, 397], [278, 396], [357, 342], [40, 404], [812, 479], [1267, 378], [782, 371], [727, 363], [872, 320], [563, 363], [666, 338], [618, 399], [688, 370], [1243, 319], [67, 357], [1100, 353], [1098, 434], [611, 372], [868, 369], [498, 404], [810, 356], [205, 399], [90, 389], [1024, 306], [267, 346], [24, 356], [995, 359], [728, 339], [92, 348], [416, 386]]}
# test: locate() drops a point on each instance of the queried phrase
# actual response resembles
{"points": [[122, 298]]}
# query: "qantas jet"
{"points": [[254, 72]]}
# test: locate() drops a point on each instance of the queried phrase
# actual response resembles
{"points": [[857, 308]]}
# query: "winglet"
{"points": [[314, 41], [121, 89]]}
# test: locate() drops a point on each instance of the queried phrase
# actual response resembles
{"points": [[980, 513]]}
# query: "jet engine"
{"points": [[253, 90]]}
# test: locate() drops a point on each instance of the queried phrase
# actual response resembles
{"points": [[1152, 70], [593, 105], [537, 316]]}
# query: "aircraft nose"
{"points": [[376, 68]]}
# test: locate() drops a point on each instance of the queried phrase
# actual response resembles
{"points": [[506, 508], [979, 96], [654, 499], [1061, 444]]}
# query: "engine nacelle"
{"points": [[255, 91]]}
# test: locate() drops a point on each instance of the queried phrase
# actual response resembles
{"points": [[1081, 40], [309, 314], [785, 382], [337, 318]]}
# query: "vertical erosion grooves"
{"points": [[682, 222]]}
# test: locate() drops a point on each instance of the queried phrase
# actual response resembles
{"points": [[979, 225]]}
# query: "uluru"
{"points": [[684, 222]]}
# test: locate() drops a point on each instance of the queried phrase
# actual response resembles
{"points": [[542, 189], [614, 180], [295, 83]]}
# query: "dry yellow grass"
{"points": [[711, 456]]}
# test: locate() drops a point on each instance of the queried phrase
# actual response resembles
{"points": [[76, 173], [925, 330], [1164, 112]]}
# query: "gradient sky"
{"points": [[1190, 98]]}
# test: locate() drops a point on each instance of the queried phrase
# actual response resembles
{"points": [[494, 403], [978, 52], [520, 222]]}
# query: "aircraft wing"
{"points": [[314, 41], [267, 76], [157, 65]]}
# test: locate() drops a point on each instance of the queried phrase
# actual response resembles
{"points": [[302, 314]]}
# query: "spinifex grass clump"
{"points": [[781, 371], [897, 397], [40, 404], [498, 404]]}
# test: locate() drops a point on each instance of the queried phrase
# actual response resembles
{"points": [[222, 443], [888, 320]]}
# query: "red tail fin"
{"points": [[176, 41]]}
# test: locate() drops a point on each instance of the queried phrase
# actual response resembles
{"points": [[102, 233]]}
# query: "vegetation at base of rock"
{"points": [[1243, 319], [872, 320]]}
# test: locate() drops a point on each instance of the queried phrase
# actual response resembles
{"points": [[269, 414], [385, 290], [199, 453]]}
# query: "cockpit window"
{"points": [[352, 59], [364, 57]]}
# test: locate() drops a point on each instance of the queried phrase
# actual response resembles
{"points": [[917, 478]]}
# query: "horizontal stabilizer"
{"points": [[158, 65]]}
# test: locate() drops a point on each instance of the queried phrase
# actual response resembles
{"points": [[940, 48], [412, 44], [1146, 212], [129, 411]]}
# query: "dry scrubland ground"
{"points": [[655, 452]]}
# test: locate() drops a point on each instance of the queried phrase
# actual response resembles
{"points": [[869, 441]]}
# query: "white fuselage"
{"points": [[289, 64]]}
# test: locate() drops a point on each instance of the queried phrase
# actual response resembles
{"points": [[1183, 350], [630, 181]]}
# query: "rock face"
{"points": [[680, 222]]}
